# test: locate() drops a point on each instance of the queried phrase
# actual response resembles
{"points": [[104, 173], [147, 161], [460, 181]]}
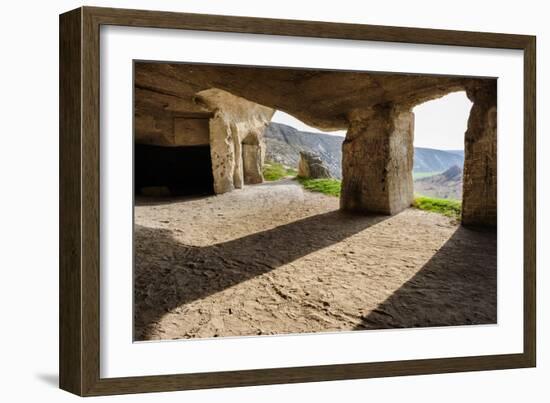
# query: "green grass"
{"points": [[274, 171], [448, 207], [420, 175], [331, 187]]}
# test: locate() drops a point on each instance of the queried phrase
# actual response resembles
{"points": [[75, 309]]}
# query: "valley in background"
{"points": [[436, 173]]}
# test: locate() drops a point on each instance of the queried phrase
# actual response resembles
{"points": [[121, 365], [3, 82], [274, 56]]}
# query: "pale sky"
{"points": [[289, 120], [439, 124]]}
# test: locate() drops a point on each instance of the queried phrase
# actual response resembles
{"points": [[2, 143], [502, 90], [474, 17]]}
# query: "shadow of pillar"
{"points": [[169, 274], [468, 261]]}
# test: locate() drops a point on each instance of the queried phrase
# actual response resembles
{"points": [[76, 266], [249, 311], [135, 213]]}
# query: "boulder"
{"points": [[311, 166]]}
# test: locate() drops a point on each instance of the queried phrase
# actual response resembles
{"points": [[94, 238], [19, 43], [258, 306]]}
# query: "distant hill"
{"points": [[431, 160], [284, 144], [457, 152], [446, 185]]}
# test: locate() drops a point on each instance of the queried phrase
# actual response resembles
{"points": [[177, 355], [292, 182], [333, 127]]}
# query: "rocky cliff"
{"points": [[284, 144]]}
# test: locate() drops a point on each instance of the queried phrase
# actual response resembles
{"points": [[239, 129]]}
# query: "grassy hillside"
{"points": [[447, 207], [331, 187], [275, 171]]}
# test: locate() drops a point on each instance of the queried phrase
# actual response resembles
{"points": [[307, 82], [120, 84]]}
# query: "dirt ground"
{"points": [[273, 258]]}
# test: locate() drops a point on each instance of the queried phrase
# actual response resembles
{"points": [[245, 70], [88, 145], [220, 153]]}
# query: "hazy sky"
{"points": [[285, 118], [439, 124]]}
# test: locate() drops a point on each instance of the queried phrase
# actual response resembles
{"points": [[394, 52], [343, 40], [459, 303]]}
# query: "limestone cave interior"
{"points": [[259, 256]]}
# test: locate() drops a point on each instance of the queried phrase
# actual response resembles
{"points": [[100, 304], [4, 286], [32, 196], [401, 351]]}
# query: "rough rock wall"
{"points": [[312, 166], [479, 204], [165, 119], [237, 145], [320, 98], [252, 164], [377, 161]]}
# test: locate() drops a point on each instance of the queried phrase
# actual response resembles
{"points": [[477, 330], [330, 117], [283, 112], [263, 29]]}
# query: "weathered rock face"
{"points": [[312, 166], [479, 205], [252, 163], [284, 143], [321, 98], [194, 113], [377, 161], [236, 139]]}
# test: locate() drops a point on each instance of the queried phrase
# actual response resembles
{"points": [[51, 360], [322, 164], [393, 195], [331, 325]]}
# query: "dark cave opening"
{"points": [[172, 171]]}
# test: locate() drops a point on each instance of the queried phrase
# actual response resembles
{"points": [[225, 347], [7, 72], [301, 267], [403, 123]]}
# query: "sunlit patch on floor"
{"points": [[273, 259]]}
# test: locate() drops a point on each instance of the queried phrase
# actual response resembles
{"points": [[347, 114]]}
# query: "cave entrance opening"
{"points": [[439, 132], [181, 169], [173, 171]]}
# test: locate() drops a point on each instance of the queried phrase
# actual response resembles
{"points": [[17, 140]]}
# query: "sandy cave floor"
{"points": [[273, 258]]}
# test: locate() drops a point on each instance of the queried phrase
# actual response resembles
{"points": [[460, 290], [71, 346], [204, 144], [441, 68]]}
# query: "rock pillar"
{"points": [[252, 164], [479, 201], [377, 161], [253, 157], [222, 151], [238, 172], [237, 146]]}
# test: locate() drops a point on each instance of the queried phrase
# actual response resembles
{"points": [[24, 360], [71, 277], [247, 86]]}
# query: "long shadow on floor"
{"points": [[457, 286], [168, 274]]}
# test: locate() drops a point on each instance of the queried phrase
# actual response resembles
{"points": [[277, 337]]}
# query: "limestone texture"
{"points": [[377, 161], [312, 166], [236, 138], [479, 203]]}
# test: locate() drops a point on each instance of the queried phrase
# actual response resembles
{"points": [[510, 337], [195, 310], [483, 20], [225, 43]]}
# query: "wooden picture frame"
{"points": [[79, 201]]}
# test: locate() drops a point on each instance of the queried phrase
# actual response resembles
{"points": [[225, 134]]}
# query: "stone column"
{"points": [[252, 164], [377, 161], [222, 151], [238, 174], [479, 200], [252, 156], [234, 118]]}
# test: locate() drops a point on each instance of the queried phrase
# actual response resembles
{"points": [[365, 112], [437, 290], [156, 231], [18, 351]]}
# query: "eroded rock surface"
{"points": [[377, 161], [311, 166], [479, 206], [236, 138], [321, 98]]}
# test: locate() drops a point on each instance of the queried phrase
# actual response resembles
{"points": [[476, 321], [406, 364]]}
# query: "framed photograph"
{"points": [[249, 201]]}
